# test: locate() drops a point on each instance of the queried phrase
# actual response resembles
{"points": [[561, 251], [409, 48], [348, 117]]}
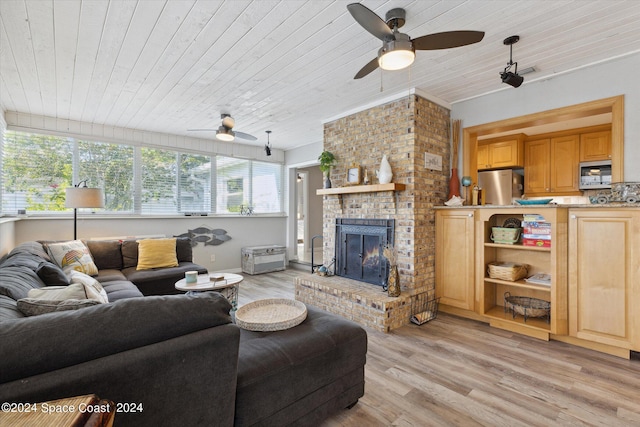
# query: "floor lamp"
{"points": [[81, 196]]}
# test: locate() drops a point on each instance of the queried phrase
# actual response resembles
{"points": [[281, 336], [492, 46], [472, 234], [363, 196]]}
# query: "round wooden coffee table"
{"points": [[227, 284]]}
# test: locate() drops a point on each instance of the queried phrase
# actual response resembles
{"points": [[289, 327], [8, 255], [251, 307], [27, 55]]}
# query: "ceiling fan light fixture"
{"points": [[396, 54], [224, 134]]}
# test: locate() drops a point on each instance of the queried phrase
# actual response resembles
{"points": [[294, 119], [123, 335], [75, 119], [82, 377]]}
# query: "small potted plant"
{"points": [[327, 160]]}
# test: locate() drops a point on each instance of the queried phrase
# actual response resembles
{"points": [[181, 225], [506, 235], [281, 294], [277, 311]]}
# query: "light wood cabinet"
{"points": [[551, 166], [506, 152], [455, 266], [604, 282], [595, 146], [549, 260]]}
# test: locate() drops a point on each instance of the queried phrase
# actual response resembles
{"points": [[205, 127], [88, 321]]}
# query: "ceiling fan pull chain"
{"points": [[381, 86]]}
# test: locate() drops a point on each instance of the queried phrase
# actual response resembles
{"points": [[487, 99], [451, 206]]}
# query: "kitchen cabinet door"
{"points": [[564, 164], [536, 167], [483, 157], [455, 254], [500, 153], [595, 146], [604, 286], [506, 154]]}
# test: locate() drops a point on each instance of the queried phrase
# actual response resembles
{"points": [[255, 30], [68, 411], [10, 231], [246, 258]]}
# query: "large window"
{"points": [[36, 170]]}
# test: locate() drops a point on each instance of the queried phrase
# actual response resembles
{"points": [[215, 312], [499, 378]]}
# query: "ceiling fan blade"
{"points": [[201, 130], [370, 21], [447, 39], [370, 67], [243, 135]]}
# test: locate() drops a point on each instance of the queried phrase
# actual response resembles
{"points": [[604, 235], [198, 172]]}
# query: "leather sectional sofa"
{"points": [[178, 359]]}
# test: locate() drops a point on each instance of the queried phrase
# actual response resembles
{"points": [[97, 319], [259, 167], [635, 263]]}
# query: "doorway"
{"points": [[308, 214]]}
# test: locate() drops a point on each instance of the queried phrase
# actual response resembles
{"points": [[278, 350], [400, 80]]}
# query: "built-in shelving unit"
{"points": [[550, 260]]}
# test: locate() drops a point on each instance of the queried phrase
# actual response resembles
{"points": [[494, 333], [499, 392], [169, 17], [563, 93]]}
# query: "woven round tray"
{"points": [[268, 315], [527, 306]]}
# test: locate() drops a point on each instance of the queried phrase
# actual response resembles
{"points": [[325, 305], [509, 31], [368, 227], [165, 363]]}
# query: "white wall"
{"points": [[617, 77], [304, 155], [244, 231]]}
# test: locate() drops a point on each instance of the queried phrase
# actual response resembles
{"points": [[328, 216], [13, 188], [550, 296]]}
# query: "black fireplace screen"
{"points": [[359, 246]]}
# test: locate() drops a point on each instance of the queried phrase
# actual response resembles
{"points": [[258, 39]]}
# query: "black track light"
{"points": [[508, 77], [267, 146]]}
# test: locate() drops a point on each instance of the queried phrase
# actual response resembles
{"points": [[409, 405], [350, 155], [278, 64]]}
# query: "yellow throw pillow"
{"points": [[156, 253]]}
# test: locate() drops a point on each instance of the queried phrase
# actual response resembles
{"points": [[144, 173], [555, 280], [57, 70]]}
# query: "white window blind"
{"points": [[110, 167], [36, 170], [266, 188], [232, 184], [195, 183], [159, 181]]}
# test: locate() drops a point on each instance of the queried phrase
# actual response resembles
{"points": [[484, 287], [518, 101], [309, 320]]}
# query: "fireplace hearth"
{"points": [[358, 249]]}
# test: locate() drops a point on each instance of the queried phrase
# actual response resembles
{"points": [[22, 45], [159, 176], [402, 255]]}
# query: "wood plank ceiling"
{"points": [[171, 65]]}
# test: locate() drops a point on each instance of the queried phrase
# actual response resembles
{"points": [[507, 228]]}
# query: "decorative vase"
{"points": [[393, 282], [385, 174], [327, 181], [454, 184]]}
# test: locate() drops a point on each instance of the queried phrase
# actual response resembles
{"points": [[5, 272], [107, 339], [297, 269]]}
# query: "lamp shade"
{"points": [[84, 197]]}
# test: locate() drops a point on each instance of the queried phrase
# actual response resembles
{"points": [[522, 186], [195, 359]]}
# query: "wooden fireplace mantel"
{"points": [[374, 188], [361, 189]]}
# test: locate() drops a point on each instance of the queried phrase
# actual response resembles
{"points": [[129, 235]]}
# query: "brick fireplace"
{"points": [[404, 130]]}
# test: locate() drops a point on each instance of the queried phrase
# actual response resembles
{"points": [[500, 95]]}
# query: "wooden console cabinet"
{"points": [[594, 262]]}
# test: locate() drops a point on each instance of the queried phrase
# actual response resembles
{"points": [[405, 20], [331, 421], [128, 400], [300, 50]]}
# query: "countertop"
{"points": [[547, 206]]}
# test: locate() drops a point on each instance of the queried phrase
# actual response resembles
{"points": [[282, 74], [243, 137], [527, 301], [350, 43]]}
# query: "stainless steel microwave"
{"points": [[595, 175]]}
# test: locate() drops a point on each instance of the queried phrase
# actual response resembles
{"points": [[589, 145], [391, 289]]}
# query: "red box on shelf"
{"points": [[536, 242], [536, 228]]}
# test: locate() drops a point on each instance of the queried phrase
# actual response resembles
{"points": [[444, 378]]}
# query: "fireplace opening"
{"points": [[359, 246]]}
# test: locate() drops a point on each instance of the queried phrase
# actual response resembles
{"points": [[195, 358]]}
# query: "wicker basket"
{"points": [[527, 306], [507, 271], [505, 235]]}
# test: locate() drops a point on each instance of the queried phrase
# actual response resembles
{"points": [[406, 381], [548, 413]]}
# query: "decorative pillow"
{"points": [[73, 255], [58, 293], [34, 307], [51, 274], [92, 287], [156, 253]]}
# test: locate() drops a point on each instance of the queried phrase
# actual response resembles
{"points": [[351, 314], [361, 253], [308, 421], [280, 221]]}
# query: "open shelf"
{"points": [[519, 284], [517, 247], [497, 312]]}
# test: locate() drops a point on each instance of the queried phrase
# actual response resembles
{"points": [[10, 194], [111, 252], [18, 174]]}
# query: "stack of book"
{"points": [[536, 231]]}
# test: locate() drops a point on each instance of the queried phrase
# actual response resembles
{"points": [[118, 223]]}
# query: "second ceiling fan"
{"points": [[398, 49], [225, 131]]}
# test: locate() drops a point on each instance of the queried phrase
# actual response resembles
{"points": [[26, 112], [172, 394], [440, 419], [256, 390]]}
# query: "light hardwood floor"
{"points": [[454, 371]]}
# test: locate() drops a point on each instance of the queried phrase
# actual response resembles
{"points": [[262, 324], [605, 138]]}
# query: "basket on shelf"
{"points": [[424, 309], [505, 235], [506, 271], [527, 306]]}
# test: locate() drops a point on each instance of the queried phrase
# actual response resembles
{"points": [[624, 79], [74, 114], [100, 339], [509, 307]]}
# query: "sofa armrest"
{"points": [[33, 345], [188, 380]]}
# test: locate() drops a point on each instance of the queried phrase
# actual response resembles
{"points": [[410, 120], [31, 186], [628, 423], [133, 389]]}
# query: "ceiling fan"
{"points": [[398, 49], [225, 132]]}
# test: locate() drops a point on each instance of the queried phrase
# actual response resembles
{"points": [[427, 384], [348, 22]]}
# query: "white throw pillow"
{"points": [[92, 287], [58, 293], [73, 255]]}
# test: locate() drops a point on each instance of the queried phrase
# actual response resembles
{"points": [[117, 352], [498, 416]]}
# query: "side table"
{"points": [[227, 285]]}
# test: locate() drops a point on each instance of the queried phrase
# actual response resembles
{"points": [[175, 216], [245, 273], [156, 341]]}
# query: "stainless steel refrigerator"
{"points": [[500, 187]]}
